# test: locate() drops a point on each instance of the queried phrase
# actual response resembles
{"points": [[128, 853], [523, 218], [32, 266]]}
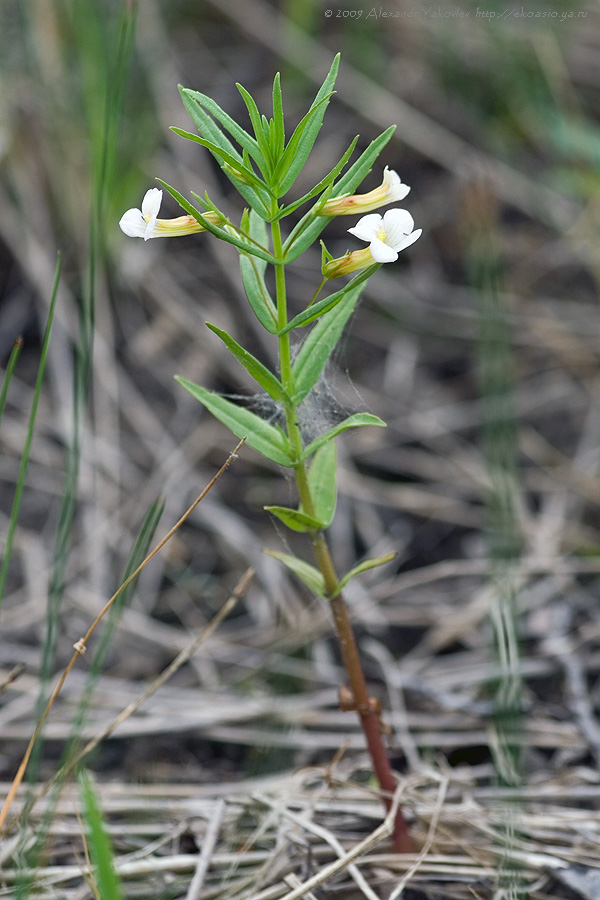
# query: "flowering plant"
{"points": [[263, 167]]}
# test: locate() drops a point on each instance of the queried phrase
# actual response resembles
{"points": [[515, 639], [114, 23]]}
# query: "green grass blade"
{"points": [[137, 555], [107, 881], [104, 102], [14, 513], [10, 370]]}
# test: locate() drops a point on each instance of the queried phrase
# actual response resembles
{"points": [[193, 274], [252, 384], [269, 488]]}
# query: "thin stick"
{"points": [[80, 645], [208, 846]]}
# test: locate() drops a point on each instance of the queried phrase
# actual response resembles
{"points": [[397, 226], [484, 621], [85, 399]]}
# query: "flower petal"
{"points": [[397, 223], [367, 228], [410, 239], [382, 252], [394, 188], [133, 223], [151, 203]]}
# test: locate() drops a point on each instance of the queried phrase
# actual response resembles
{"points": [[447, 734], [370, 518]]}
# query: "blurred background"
{"points": [[479, 348]]}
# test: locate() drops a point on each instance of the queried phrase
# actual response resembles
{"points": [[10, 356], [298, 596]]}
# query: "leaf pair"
{"points": [[268, 440], [314, 580]]}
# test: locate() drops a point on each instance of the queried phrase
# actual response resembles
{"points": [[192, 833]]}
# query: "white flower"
{"points": [[388, 234], [145, 224], [391, 190]]}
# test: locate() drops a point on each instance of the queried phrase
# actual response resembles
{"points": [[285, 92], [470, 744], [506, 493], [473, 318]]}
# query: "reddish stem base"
{"points": [[370, 720]]}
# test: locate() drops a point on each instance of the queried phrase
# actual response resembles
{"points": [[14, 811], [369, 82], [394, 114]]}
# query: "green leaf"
{"points": [[257, 125], [322, 306], [195, 103], [214, 229], [321, 340], [258, 232], [237, 169], [107, 881], [310, 226], [359, 170], [311, 577], [353, 421], [324, 183], [296, 519], [278, 120], [266, 129], [298, 149], [269, 440], [253, 366], [211, 130], [363, 567], [305, 135], [257, 293], [252, 269], [322, 479]]}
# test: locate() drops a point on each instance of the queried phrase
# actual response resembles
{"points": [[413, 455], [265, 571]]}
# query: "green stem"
{"points": [[361, 701]]}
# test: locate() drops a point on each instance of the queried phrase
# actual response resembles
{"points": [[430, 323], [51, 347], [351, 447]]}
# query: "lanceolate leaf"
{"points": [[211, 131], [295, 519], [253, 366], [353, 421], [267, 439], [278, 121], [310, 226], [305, 135], [253, 269], [311, 577], [322, 478], [322, 306], [299, 146], [257, 125], [321, 340], [257, 293], [359, 170], [236, 165], [362, 567], [196, 103]]}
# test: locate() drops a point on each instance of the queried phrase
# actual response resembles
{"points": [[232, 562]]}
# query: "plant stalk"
{"points": [[365, 706]]}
